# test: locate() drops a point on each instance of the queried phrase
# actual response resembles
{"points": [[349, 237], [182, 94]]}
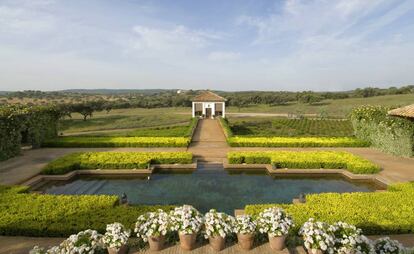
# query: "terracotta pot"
{"points": [[156, 243], [122, 250], [316, 251], [245, 241], [277, 242], [187, 242], [217, 242]]}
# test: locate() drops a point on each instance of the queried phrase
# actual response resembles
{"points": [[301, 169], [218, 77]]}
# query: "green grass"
{"points": [[334, 108], [267, 127], [126, 119]]}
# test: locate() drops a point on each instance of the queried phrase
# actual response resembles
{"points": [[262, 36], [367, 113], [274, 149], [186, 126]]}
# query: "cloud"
{"points": [[223, 56], [178, 37]]}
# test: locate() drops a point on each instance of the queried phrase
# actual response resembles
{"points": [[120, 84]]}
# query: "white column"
{"points": [[193, 109], [204, 108], [224, 110], [213, 109]]}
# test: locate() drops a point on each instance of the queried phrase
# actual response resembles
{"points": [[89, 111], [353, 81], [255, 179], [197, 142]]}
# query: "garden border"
{"points": [[376, 179], [153, 168]]}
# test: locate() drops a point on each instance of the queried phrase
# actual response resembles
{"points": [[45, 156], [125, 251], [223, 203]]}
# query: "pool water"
{"points": [[207, 188]]}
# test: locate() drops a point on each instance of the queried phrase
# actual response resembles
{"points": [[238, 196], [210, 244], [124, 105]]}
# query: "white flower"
{"points": [[387, 246], [218, 224], [275, 222], [244, 224], [317, 235], [152, 224], [116, 236], [186, 220]]}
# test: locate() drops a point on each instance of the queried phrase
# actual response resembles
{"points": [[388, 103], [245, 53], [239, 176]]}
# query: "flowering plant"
{"points": [[348, 239], [40, 250], [152, 224], [275, 222], [386, 245], [317, 236], [244, 224], [218, 224], [87, 241], [116, 236], [186, 220]]}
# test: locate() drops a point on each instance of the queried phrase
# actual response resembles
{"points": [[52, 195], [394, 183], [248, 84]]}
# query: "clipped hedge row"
{"points": [[27, 214], [224, 122], [114, 160], [306, 160], [390, 134], [388, 212], [117, 142], [296, 142]]}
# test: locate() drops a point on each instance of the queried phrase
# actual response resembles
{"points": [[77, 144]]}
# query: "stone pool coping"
{"points": [[375, 178], [167, 168]]}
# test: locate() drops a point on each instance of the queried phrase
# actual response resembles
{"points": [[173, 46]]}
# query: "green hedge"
{"points": [[84, 141], [306, 160], [25, 214], [226, 127], [388, 212], [25, 124], [114, 160], [296, 142], [390, 134]]}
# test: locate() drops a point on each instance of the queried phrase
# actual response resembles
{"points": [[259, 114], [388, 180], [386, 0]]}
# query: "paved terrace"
{"points": [[22, 245]]}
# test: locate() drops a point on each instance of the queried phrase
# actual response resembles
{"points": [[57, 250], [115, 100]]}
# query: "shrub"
{"points": [[375, 213], [117, 142], [114, 160], [296, 142], [28, 214], [388, 133], [25, 124], [306, 160], [226, 128]]}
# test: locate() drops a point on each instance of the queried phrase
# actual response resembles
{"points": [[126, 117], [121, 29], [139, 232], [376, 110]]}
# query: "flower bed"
{"points": [[27, 214], [117, 142], [114, 160], [375, 213], [296, 142], [306, 160]]}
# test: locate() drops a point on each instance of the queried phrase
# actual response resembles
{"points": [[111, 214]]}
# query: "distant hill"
{"points": [[117, 91]]}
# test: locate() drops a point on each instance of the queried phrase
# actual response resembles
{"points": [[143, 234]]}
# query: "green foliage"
{"points": [[290, 127], [226, 127], [296, 142], [27, 214], [87, 141], [24, 124], [114, 160], [388, 133], [375, 213], [306, 160]]}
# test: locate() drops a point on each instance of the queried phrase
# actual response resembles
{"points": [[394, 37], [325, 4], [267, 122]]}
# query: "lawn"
{"points": [[126, 119], [267, 127], [334, 108]]}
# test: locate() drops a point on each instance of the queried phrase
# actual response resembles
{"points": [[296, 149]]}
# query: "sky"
{"points": [[279, 45]]}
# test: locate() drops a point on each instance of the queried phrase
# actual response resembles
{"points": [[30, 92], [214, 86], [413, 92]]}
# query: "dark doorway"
{"points": [[208, 112]]}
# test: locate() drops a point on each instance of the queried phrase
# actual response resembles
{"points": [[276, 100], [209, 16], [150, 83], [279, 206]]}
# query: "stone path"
{"points": [[209, 143]]}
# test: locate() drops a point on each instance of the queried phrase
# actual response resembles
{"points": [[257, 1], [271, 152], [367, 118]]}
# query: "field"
{"points": [[121, 119], [266, 127], [334, 108]]}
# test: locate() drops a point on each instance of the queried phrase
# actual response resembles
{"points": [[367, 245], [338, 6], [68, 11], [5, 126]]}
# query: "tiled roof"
{"points": [[207, 96], [407, 111]]}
